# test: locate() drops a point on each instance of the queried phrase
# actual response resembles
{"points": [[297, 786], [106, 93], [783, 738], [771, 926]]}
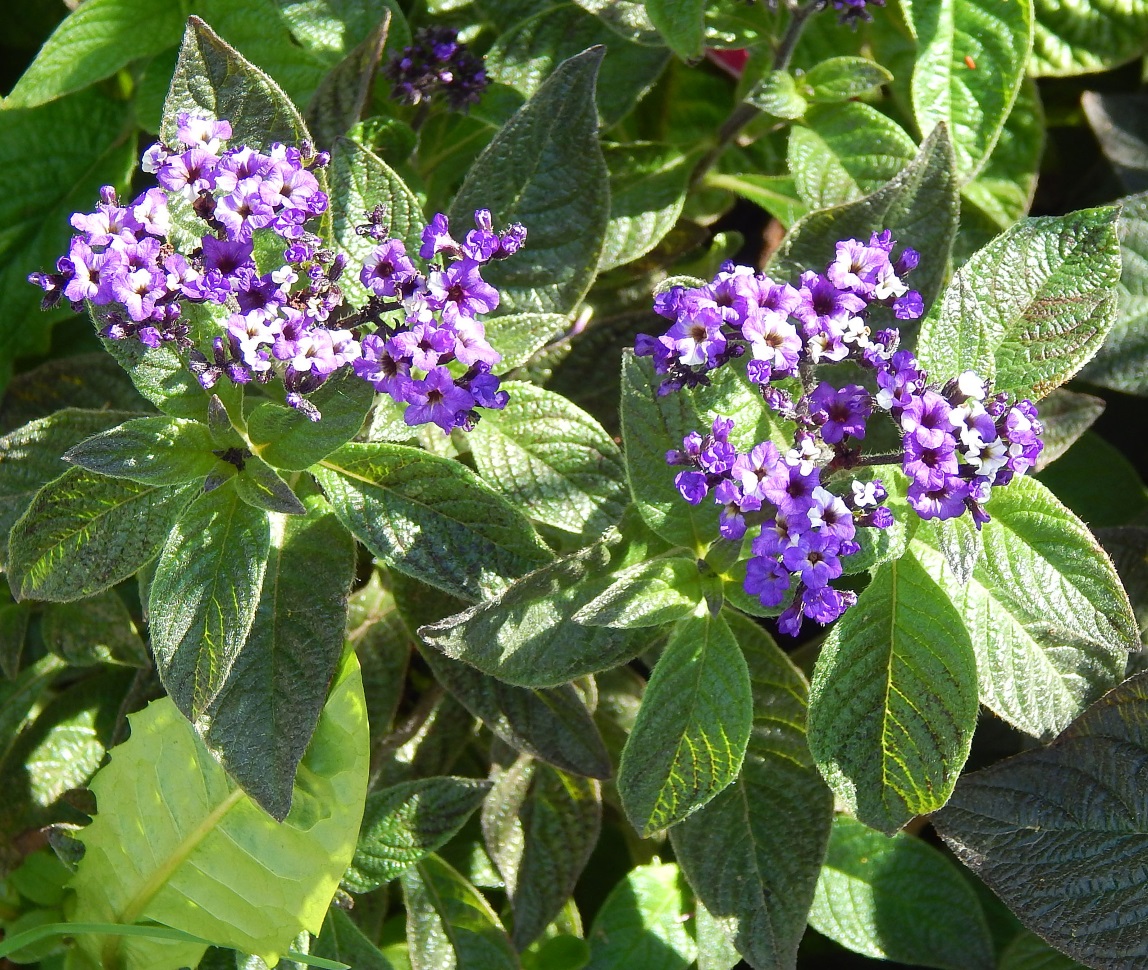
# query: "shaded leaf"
{"points": [[642, 923], [91, 382], [98, 629], [342, 940], [1029, 952], [1096, 481], [260, 486], [1128, 547], [681, 24], [151, 451], [1083, 39], [648, 594], [647, 192], [1065, 415], [340, 100]]}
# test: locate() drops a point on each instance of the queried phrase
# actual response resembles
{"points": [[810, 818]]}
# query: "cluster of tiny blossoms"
{"points": [[291, 322], [956, 442], [436, 63]]}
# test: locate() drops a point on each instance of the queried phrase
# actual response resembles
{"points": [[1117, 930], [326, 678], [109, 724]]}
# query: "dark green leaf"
{"points": [[151, 451], [884, 545], [778, 94], [342, 940], [552, 459], [1096, 481], [561, 952], [775, 193], [340, 100], [752, 854], [1128, 547], [1074, 813], [84, 533], [431, 518], [204, 596], [627, 18], [377, 633], [693, 727], [893, 702], [14, 619], [842, 78], [642, 923], [88, 381], [1082, 39], [898, 899], [260, 487], [647, 594], [1065, 415], [1031, 308], [681, 23], [545, 170], [1117, 120], [329, 29], [552, 725], [406, 822], [1029, 952], [920, 207], [647, 191], [94, 630], [540, 826]]}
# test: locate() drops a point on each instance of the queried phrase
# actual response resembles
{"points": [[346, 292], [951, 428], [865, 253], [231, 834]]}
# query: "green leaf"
{"points": [[1074, 813], [1122, 362], [525, 55], [642, 923], [1028, 951], [449, 924], [681, 23], [258, 484], [329, 29], [14, 619], [151, 451], [552, 724], [647, 594], [647, 192], [84, 381], [82, 142], [545, 169], [512, 637], [30, 457], [342, 940], [775, 193], [893, 702], [360, 180], [752, 855], [376, 632], [341, 99], [1096, 481], [1031, 308], [406, 822], [693, 727], [920, 206], [898, 899], [1117, 121], [778, 94], [973, 101], [884, 545], [1083, 39], [265, 711], [627, 18], [1128, 548], [843, 78], [430, 517], [540, 826], [519, 336], [552, 459], [847, 151], [94, 630], [93, 42], [652, 424], [1065, 416], [1049, 620], [163, 845], [204, 596], [84, 533]]}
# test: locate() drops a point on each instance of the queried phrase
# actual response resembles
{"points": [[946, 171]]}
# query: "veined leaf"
{"points": [[842, 78], [642, 923], [1082, 39], [627, 18], [260, 486], [647, 594], [690, 737], [94, 630], [519, 336], [752, 855], [1031, 308], [647, 193], [682, 24], [778, 94], [1065, 416], [163, 843], [151, 451], [1075, 813], [92, 382], [893, 702], [1028, 951], [342, 940]]}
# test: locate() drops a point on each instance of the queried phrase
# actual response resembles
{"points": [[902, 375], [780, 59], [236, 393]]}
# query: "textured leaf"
{"points": [[545, 169], [647, 594], [1031, 308], [642, 923], [404, 823], [163, 845], [647, 192], [151, 451], [553, 725], [360, 180], [844, 152], [893, 701], [1081, 39], [519, 336], [681, 23], [449, 924], [98, 629], [1065, 415], [774, 193], [693, 727], [84, 533], [1096, 481], [260, 486], [340, 100], [552, 459], [14, 619], [752, 855], [778, 94], [842, 78], [329, 29], [85, 381], [898, 899], [920, 207], [1118, 122], [430, 517], [627, 18], [93, 42], [1061, 833], [540, 826], [525, 55], [161, 376], [973, 101], [1029, 952], [204, 596]]}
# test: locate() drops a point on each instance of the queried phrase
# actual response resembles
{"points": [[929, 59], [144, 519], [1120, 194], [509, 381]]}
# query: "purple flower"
{"points": [[930, 467], [735, 503], [692, 485], [697, 342], [826, 604], [422, 345], [899, 381], [857, 267], [387, 374], [460, 291], [195, 132], [814, 557], [926, 420], [821, 300], [909, 307], [840, 412], [773, 339], [944, 502], [831, 516], [436, 399], [766, 579], [436, 63], [789, 488]]}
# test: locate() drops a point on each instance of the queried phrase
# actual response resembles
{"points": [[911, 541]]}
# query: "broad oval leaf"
{"points": [[430, 517], [1083, 38], [647, 193], [84, 533], [1048, 618], [898, 899], [1028, 951], [647, 594], [545, 170], [842, 78], [681, 23], [1075, 814], [260, 486], [342, 940], [690, 737], [893, 701], [552, 459], [97, 629], [92, 382], [1065, 416], [642, 923], [163, 845], [752, 855], [1032, 307], [519, 336], [152, 451]]}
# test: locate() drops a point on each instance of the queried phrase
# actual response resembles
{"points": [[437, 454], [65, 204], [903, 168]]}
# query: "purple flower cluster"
{"points": [[436, 63], [956, 442], [290, 322], [854, 10]]}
